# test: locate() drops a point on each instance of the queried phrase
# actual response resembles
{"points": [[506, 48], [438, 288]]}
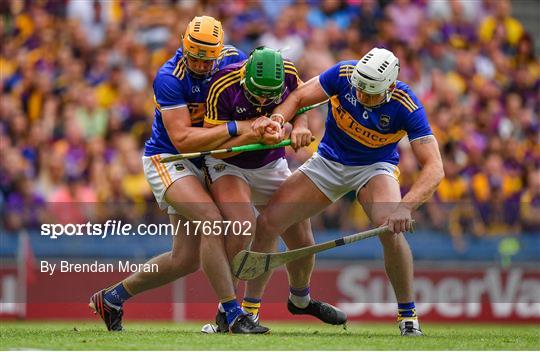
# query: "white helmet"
{"points": [[376, 72]]}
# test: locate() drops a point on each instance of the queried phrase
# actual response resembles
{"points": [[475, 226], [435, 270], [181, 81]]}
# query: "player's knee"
{"points": [[378, 220], [304, 234], [233, 249], [213, 216], [390, 240], [185, 264], [267, 227]]}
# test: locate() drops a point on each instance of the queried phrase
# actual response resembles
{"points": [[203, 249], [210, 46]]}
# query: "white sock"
{"points": [[220, 308], [300, 301]]}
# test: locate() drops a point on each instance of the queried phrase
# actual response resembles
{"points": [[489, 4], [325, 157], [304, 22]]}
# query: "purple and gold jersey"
{"points": [[174, 87], [356, 135], [227, 101]]}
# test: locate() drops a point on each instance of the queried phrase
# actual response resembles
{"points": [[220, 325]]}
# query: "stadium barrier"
{"points": [[444, 292]]}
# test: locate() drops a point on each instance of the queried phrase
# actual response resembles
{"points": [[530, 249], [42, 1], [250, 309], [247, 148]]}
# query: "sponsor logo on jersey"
{"points": [[219, 167], [365, 115], [195, 89], [364, 135], [196, 111], [384, 122], [240, 110]]}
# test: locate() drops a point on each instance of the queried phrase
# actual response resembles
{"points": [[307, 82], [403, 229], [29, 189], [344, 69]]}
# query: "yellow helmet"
{"points": [[203, 38]]}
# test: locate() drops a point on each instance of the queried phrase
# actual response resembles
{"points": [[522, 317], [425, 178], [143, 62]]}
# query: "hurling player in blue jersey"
{"points": [[369, 112], [180, 90]]}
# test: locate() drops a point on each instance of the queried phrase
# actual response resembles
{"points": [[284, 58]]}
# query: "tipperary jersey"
{"points": [[174, 87], [357, 135], [227, 101]]}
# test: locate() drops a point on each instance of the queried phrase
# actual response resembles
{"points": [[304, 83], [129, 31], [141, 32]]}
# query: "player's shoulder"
{"points": [[172, 71], [229, 50], [341, 70], [346, 67], [404, 96], [225, 78], [290, 67], [228, 71], [230, 54]]}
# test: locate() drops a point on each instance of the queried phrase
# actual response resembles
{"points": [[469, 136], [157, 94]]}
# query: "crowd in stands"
{"points": [[76, 100]]}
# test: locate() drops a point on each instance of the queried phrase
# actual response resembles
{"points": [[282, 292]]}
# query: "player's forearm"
{"points": [[195, 139], [300, 121], [289, 107], [307, 94], [424, 187]]}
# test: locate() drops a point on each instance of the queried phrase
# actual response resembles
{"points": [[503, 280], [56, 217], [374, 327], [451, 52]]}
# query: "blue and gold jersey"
{"points": [[356, 135], [174, 87]]}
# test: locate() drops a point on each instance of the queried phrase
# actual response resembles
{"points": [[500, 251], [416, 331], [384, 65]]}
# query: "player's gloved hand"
{"points": [[264, 125], [400, 220], [300, 137]]}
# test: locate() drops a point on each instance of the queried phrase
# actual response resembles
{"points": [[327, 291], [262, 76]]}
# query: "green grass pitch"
{"points": [[284, 336]]}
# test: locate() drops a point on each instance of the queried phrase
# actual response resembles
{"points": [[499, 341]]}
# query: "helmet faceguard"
{"points": [[264, 76], [376, 73], [203, 40]]}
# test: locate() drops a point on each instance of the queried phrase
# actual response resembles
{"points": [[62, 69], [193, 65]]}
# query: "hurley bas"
{"points": [[121, 266]]}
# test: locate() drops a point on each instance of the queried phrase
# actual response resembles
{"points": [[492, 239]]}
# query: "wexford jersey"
{"points": [[227, 101], [174, 87], [361, 136]]}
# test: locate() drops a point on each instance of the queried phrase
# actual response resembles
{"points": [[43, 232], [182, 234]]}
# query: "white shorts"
{"points": [[263, 181], [335, 179], [161, 176]]}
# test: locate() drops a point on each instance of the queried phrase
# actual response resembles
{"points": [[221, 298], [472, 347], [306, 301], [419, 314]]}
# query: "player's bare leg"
{"points": [[233, 198], [182, 260], [299, 271], [282, 211], [296, 200], [235, 207], [188, 197], [379, 197]]}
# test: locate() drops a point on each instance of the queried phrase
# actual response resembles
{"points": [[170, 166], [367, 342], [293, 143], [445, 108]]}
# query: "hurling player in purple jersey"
{"points": [[369, 112], [239, 182], [180, 90]]}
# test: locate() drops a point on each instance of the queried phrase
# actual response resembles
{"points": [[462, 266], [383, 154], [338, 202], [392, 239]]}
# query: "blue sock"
{"points": [[406, 310], [300, 297], [117, 295], [232, 310]]}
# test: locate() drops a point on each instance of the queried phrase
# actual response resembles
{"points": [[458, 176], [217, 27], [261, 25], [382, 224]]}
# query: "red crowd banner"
{"points": [[483, 294]]}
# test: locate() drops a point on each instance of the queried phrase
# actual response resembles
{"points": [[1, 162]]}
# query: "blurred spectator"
{"points": [[93, 17], [91, 118], [329, 13], [458, 31], [530, 203], [368, 19], [494, 191], [501, 26], [281, 38], [407, 17]]}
